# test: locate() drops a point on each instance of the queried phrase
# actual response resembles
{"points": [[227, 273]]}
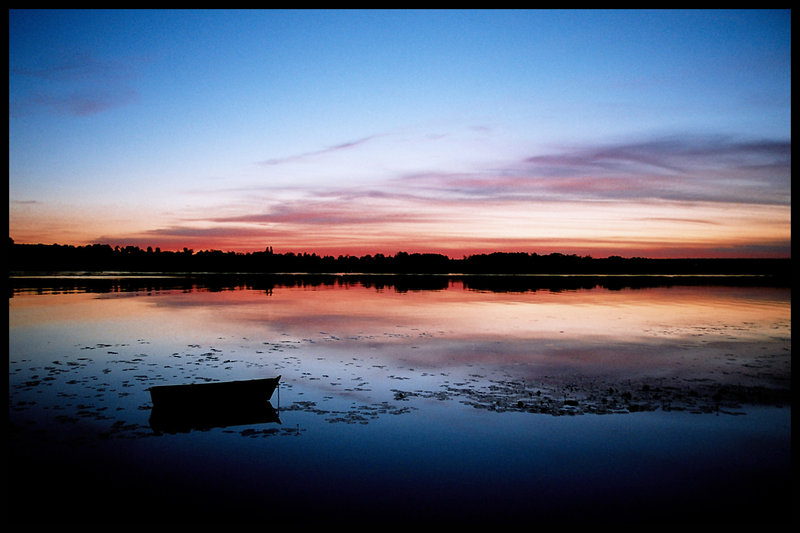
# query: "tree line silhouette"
{"points": [[104, 258]]}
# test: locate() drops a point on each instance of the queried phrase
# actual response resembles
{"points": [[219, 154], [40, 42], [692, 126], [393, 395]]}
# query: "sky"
{"points": [[631, 133]]}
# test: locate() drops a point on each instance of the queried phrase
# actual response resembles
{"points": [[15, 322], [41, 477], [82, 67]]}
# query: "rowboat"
{"points": [[212, 394], [181, 408]]}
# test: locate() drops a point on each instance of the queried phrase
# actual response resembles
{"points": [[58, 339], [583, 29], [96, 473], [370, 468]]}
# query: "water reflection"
{"points": [[573, 352], [109, 283], [523, 400]]}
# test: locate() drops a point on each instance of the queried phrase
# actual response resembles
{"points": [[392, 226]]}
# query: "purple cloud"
{"points": [[712, 169], [678, 155], [86, 103], [78, 84], [79, 66]]}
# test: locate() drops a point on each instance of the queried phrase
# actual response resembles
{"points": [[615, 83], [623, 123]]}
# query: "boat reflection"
{"points": [[202, 406]]}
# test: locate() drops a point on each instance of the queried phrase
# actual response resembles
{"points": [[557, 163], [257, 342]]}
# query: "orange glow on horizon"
{"points": [[599, 252], [596, 229]]}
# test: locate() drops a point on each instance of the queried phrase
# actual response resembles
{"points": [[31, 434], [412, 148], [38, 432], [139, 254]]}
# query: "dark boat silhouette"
{"points": [[200, 406]]}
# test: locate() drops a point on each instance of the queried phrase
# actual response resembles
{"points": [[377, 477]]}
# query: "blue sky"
{"points": [[591, 132]]}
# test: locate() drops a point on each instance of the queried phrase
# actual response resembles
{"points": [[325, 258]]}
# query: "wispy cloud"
{"points": [[712, 169], [77, 66], [675, 154], [312, 213], [77, 84], [84, 103], [661, 197], [330, 149], [641, 157], [678, 220]]}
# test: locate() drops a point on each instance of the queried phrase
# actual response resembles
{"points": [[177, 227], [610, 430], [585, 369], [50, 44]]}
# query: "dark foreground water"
{"points": [[434, 402]]}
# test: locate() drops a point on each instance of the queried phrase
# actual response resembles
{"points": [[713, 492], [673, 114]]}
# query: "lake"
{"points": [[403, 400]]}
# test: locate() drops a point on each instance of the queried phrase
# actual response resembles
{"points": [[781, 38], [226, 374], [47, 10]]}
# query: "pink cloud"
{"points": [[659, 199]]}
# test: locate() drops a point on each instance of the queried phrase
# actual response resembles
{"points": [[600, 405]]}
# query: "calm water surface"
{"points": [[449, 403]]}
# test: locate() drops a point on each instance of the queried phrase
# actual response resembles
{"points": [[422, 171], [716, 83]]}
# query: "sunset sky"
{"points": [[633, 133]]}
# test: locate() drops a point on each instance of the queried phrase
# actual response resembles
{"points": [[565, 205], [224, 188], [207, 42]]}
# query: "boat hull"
{"points": [[180, 408]]}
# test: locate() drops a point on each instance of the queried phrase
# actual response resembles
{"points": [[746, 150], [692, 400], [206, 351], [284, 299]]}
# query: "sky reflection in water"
{"points": [[380, 386]]}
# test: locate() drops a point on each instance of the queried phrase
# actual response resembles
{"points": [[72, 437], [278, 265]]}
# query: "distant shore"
{"points": [[54, 259]]}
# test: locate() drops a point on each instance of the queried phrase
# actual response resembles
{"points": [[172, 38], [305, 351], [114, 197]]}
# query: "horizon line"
{"points": [[183, 249]]}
